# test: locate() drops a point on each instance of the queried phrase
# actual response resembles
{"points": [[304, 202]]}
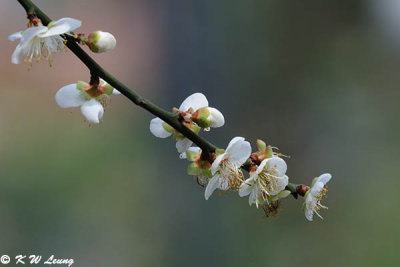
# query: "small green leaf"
{"points": [[191, 155]]}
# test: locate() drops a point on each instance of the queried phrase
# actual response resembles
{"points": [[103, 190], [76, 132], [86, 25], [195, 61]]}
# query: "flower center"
{"points": [[268, 182], [95, 91], [231, 173]]}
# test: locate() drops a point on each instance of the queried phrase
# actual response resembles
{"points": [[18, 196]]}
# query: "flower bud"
{"points": [[208, 117], [100, 42]]}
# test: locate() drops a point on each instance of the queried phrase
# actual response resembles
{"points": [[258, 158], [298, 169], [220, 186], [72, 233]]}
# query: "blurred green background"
{"points": [[318, 79]]}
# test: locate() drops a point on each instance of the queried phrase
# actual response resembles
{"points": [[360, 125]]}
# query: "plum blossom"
{"points": [[226, 171], [314, 196], [266, 181], [40, 41], [90, 98], [187, 109]]}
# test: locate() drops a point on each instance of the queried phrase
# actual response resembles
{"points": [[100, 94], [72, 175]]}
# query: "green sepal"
{"points": [[101, 96], [207, 173], [307, 193], [51, 23], [219, 151], [81, 85], [195, 128], [191, 155], [167, 127], [193, 169], [283, 194], [268, 152], [201, 117], [304, 206], [314, 181], [108, 89], [178, 136], [261, 145]]}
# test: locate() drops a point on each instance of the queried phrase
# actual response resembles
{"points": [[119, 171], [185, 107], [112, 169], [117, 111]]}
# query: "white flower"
{"points": [[314, 196], [268, 180], [100, 41], [41, 41], [89, 98], [226, 167], [189, 106]]}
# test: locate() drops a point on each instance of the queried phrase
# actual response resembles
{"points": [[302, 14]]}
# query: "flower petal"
{"points": [[93, 111], [116, 92], [62, 26], [277, 165], [215, 164], [246, 187], [324, 178], [195, 101], [69, 97], [216, 118], [253, 196], [15, 36], [30, 33], [309, 214], [183, 145], [157, 128], [238, 151], [211, 186], [316, 189]]}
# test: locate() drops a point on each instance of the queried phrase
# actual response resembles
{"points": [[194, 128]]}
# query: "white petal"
{"points": [[277, 164], [156, 128], [239, 151], [211, 186], [223, 184], [216, 118], [183, 145], [26, 41], [246, 187], [281, 183], [195, 101], [253, 196], [69, 97], [15, 36], [30, 33], [215, 164], [316, 189], [309, 214], [19, 53], [324, 178], [116, 92], [62, 26], [92, 110]]}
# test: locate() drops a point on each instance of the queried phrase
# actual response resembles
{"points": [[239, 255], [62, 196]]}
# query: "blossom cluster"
{"points": [[39, 41], [223, 169], [260, 175]]}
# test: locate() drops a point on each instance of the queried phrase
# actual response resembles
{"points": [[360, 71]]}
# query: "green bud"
{"points": [[268, 152], [261, 145]]}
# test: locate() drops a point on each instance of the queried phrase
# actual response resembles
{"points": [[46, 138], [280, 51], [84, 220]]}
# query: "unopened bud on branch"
{"points": [[100, 42]]}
